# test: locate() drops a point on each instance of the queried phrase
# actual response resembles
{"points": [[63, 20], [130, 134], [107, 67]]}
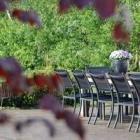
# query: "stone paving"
{"points": [[39, 132]]}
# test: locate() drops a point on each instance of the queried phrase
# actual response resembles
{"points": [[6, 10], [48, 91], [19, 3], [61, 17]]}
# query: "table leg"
{"points": [[85, 109]]}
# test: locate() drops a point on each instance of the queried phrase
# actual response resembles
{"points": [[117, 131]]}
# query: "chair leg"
{"points": [[91, 112], [63, 103], [111, 115], [98, 105], [100, 110], [80, 107], [117, 117], [138, 125], [103, 111], [121, 114], [74, 106], [1, 103], [132, 119]]}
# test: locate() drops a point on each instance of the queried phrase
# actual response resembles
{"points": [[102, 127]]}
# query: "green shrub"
{"points": [[71, 41], [26, 101]]}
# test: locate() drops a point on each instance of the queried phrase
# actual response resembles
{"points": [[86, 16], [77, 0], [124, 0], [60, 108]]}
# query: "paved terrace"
{"points": [[38, 132]]}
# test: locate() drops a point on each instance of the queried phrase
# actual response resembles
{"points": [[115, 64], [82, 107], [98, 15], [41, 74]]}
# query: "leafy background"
{"points": [[74, 40], [71, 41]]}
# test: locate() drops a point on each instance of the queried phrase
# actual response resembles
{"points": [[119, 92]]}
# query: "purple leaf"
{"points": [[27, 17], [74, 123], [64, 5], [20, 125], [81, 3], [105, 8], [3, 6], [50, 102]]}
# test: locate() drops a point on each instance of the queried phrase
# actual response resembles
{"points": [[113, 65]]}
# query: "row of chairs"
{"points": [[119, 92]]}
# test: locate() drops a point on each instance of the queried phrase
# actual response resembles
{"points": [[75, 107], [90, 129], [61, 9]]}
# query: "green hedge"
{"points": [[26, 101], [71, 41]]}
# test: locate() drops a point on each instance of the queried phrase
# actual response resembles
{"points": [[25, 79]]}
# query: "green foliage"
{"points": [[25, 101], [70, 41], [73, 40]]}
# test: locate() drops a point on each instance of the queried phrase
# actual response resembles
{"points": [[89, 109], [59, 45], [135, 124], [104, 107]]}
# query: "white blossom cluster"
{"points": [[120, 55]]}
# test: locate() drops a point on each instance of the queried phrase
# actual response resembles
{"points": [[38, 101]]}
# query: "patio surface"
{"points": [[39, 132]]}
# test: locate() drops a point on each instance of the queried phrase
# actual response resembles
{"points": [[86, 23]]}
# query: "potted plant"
{"points": [[119, 60]]}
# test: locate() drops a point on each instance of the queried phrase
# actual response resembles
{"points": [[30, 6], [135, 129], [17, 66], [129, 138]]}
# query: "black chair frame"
{"points": [[85, 89], [67, 84], [104, 94], [123, 89], [136, 83]]}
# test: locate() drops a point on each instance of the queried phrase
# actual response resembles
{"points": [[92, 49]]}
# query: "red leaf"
{"points": [[105, 8], [3, 6], [4, 118], [18, 84], [9, 67], [74, 123], [81, 3], [20, 125], [50, 126], [55, 83], [30, 81], [52, 82], [11, 70], [49, 102], [119, 34], [27, 17], [64, 5], [41, 81]]}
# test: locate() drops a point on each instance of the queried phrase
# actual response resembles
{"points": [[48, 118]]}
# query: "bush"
{"points": [[25, 101], [72, 41]]}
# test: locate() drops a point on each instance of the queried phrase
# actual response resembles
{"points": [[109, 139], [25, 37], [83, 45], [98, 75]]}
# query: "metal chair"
{"points": [[133, 74], [68, 85], [105, 94], [123, 89], [97, 70], [85, 90], [5, 92], [135, 79]]}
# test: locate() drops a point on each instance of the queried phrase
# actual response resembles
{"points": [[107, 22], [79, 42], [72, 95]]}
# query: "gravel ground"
{"points": [[39, 132]]}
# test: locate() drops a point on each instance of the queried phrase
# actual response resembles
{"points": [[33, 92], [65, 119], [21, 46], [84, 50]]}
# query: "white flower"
{"points": [[120, 55]]}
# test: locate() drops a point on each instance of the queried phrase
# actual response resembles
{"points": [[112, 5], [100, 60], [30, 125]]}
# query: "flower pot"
{"points": [[120, 66]]}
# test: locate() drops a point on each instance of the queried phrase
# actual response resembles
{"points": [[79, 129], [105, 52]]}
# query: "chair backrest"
{"points": [[120, 83], [81, 79], [65, 78], [6, 92], [98, 70], [101, 83], [134, 74], [136, 83]]}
